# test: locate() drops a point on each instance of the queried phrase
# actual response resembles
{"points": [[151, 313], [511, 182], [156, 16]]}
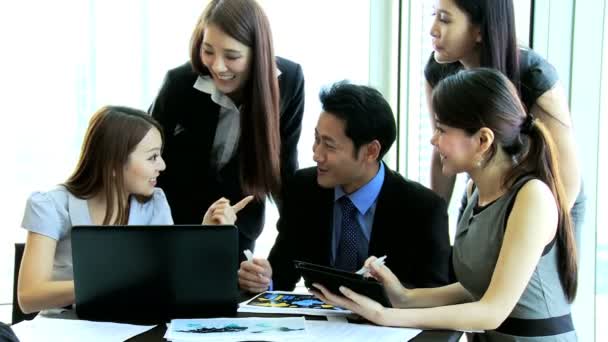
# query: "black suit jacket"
{"points": [[189, 119], [410, 226]]}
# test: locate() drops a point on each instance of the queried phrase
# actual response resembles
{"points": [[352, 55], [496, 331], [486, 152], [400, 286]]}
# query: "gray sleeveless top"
{"points": [[476, 247]]}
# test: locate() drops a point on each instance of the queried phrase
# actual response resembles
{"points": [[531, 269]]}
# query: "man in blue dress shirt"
{"points": [[351, 205]]}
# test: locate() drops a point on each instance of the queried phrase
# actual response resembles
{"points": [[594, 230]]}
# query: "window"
{"points": [[570, 35], [601, 267]]}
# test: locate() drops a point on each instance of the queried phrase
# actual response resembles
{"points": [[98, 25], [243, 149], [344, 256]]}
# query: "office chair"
{"points": [[18, 315]]}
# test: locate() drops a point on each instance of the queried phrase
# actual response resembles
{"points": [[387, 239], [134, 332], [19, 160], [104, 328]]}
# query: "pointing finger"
{"points": [[242, 203]]}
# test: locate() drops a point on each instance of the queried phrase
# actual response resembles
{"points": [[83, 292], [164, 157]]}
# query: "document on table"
{"points": [[331, 331], [282, 302], [72, 330]]}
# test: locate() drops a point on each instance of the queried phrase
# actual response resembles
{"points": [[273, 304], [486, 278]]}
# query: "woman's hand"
{"points": [[396, 292], [221, 212], [359, 304]]}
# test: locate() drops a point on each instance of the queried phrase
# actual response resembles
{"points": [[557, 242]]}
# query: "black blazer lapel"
{"points": [[324, 228], [383, 217], [202, 118]]}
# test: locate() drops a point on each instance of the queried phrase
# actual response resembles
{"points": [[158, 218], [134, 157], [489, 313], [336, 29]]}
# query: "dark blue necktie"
{"points": [[346, 256]]}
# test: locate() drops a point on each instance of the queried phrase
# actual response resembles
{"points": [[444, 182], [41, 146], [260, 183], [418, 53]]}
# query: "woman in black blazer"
{"points": [[231, 116]]}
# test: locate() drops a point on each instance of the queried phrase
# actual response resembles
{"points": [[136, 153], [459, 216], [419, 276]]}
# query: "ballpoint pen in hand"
{"points": [[377, 262], [249, 257]]}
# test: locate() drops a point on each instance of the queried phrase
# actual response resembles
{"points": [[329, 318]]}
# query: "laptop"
{"points": [[151, 274]]}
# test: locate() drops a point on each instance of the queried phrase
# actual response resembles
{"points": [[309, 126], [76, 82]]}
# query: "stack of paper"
{"points": [[238, 329], [68, 330], [290, 303]]}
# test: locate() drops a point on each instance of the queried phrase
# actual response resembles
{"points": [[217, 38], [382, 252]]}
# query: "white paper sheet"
{"points": [[68, 330], [332, 331]]}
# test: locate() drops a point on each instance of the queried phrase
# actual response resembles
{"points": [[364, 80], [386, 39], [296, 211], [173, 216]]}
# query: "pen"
{"points": [[378, 262], [249, 257]]}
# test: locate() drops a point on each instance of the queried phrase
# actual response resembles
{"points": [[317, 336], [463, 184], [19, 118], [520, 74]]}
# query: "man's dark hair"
{"points": [[366, 114]]}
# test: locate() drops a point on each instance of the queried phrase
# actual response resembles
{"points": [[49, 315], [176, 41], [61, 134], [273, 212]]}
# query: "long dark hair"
{"points": [[477, 98], [113, 133], [260, 143], [496, 21]]}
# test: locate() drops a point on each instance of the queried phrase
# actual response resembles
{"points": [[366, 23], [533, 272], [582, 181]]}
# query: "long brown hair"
{"points": [[496, 21], [260, 143], [112, 135], [483, 97]]}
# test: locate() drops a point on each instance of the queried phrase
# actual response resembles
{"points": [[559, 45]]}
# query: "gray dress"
{"points": [[543, 312]]}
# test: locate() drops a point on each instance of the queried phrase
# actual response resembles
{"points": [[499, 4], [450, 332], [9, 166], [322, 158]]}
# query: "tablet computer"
{"points": [[333, 278]]}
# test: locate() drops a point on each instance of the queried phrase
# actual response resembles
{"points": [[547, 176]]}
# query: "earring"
{"points": [[479, 162]]}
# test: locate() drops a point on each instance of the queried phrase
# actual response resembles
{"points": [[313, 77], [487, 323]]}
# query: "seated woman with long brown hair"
{"points": [[113, 184]]}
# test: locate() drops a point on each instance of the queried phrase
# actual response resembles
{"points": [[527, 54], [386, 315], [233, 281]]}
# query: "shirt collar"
{"points": [[204, 83], [366, 195]]}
